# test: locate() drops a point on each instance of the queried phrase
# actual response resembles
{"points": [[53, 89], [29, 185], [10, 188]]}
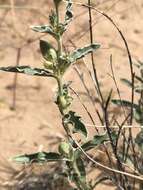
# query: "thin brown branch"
{"points": [[13, 107]]}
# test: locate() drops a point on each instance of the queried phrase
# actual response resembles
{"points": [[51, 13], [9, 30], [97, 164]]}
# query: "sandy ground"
{"points": [[36, 119]]}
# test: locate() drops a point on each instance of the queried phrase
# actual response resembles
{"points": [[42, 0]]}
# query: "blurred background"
{"points": [[29, 118]]}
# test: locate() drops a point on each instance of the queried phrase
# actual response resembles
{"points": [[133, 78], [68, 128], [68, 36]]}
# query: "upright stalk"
{"points": [[81, 185], [59, 37]]}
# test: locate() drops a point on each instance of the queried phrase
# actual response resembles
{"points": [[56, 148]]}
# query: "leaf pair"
{"points": [[75, 55], [51, 56]]}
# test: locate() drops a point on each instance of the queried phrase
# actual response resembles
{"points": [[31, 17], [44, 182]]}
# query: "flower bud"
{"points": [[53, 54], [63, 102], [65, 148], [48, 65]]}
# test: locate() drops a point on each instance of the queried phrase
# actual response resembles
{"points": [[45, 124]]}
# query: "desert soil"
{"points": [[36, 121]]}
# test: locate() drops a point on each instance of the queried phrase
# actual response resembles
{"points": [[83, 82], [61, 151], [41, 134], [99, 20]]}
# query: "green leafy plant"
{"points": [[71, 153], [56, 63]]}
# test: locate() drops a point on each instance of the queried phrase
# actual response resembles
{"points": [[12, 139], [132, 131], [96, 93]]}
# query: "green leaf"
{"points": [[37, 157], [138, 115], [139, 140], [48, 52], [44, 29], [124, 103], [27, 70], [98, 140], [139, 79], [76, 170], [137, 65], [53, 19], [71, 118], [127, 82], [21, 159], [44, 47], [69, 13], [81, 52], [81, 169], [140, 63], [139, 89]]}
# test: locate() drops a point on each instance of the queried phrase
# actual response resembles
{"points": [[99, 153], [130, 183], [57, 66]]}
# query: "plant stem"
{"points": [[59, 45], [60, 88], [59, 37], [80, 184]]}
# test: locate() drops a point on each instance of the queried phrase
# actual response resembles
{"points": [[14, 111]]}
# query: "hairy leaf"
{"points": [[69, 13], [44, 29], [37, 157], [81, 52], [81, 169], [27, 70], [48, 52], [140, 63], [139, 89], [138, 115], [98, 140], [124, 103], [44, 47], [53, 19], [127, 82], [139, 79], [137, 65], [71, 118], [139, 140]]}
